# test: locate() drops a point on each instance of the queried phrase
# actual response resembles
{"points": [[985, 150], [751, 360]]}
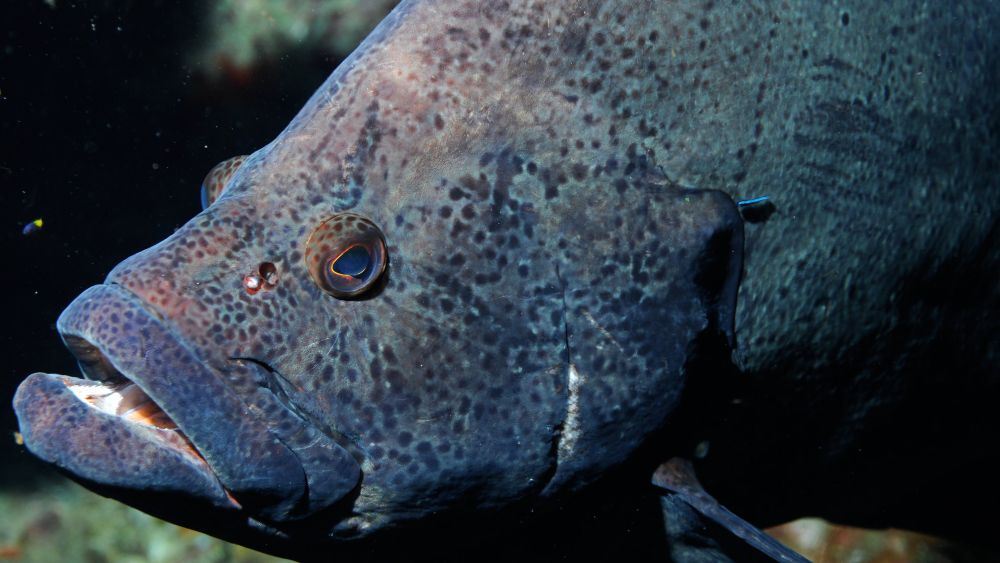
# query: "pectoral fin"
{"points": [[677, 477]]}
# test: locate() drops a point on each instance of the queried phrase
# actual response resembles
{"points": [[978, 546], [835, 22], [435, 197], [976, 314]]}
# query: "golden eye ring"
{"points": [[346, 255]]}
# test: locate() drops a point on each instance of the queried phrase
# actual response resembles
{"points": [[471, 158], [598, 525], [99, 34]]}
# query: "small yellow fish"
{"points": [[32, 227]]}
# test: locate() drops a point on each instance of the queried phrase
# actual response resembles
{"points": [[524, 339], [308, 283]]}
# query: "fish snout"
{"points": [[151, 417]]}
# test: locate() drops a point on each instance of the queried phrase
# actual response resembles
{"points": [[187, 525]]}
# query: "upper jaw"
{"points": [[153, 418]]}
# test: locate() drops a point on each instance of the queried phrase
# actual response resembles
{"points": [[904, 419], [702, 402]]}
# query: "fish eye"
{"points": [[346, 255], [215, 181], [353, 262]]}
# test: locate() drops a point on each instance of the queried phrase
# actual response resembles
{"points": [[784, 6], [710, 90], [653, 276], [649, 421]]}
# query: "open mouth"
{"points": [[112, 393], [150, 415], [124, 399], [108, 389], [130, 422]]}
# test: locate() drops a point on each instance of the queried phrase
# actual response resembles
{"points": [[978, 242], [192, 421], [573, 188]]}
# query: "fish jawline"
{"points": [[74, 424]]}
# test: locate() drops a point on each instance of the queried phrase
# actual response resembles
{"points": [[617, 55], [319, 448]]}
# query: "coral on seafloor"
{"points": [[64, 522], [823, 542]]}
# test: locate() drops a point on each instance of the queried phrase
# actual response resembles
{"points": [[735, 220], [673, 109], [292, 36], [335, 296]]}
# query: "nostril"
{"points": [[266, 277], [269, 273], [252, 283]]}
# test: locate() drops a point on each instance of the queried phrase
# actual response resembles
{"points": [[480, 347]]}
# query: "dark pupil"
{"points": [[354, 262]]}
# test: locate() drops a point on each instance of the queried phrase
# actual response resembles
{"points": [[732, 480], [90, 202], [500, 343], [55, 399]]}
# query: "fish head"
{"points": [[415, 301]]}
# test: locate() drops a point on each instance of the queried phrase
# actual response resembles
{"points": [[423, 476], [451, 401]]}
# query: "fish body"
{"points": [[555, 187]]}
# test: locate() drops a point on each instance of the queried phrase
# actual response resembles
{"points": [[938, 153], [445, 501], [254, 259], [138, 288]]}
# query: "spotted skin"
{"points": [[555, 183]]}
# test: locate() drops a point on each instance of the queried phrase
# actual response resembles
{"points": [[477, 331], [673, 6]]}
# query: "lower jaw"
{"points": [[104, 448]]}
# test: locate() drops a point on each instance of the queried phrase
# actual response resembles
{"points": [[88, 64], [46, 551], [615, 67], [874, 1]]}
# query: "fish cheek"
{"points": [[499, 393], [575, 314], [454, 389]]}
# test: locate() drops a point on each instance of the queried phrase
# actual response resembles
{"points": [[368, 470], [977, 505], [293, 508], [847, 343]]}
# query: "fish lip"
{"points": [[61, 427], [98, 368], [112, 402], [103, 383], [188, 492], [277, 472], [93, 363], [120, 338]]}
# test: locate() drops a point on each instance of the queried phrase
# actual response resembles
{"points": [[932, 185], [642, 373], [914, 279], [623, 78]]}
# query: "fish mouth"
{"points": [[106, 431], [126, 400], [112, 393], [150, 418], [111, 436]]}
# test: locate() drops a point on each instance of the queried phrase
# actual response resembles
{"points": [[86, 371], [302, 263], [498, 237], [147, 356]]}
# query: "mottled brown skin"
{"points": [[555, 182]]}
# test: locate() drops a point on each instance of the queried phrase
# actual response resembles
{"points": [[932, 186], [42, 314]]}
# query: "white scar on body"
{"points": [[571, 425]]}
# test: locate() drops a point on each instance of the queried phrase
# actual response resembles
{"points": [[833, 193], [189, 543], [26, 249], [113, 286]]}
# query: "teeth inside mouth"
{"points": [[124, 399], [111, 392]]}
